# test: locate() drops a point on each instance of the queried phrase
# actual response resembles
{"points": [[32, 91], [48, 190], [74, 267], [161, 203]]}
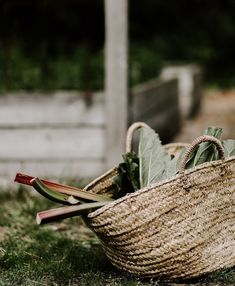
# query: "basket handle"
{"points": [[130, 133], [195, 143]]}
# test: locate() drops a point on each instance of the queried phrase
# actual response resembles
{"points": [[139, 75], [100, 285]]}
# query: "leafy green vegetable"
{"points": [[173, 165], [229, 147], [154, 159], [154, 164], [127, 180], [206, 151]]}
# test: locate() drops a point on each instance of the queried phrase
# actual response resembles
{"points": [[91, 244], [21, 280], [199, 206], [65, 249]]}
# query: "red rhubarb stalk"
{"points": [[26, 180], [66, 212], [64, 189]]}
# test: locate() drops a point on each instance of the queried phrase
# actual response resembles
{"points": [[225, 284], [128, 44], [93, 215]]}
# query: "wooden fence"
{"points": [[56, 135], [62, 135], [157, 103], [189, 86]]}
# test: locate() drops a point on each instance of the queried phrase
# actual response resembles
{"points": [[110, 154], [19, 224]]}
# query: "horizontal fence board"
{"points": [[48, 169], [155, 99], [24, 109], [167, 123], [52, 143], [157, 105], [162, 120]]}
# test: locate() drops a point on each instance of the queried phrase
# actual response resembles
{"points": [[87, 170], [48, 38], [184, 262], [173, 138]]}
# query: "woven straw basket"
{"points": [[177, 229]]}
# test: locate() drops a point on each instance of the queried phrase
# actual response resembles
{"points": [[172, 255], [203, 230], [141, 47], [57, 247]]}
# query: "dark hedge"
{"points": [[48, 44]]}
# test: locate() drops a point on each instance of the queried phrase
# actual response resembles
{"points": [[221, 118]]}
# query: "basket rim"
{"points": [[202, 166]]}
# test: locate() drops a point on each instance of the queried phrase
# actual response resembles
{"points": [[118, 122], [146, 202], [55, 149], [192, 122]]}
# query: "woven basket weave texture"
{"points": [[180, 228]]}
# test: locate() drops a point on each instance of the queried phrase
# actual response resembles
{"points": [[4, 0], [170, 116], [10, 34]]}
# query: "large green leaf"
{"points": [[153, 158], [206, 151], [173, 166], [229, 147]]}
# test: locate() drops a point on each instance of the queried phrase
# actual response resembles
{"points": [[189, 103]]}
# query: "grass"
{"points": [[65, 253]]}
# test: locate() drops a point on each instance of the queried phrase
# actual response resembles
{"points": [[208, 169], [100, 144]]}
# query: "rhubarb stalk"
{"points": [[66, 212], [64, 189], [52, 195]]}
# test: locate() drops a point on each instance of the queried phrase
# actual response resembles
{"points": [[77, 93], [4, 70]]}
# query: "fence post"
{"points": [[116, 78]]}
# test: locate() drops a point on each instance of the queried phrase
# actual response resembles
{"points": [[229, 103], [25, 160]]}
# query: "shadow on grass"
{"points": [[43, 255], [46, 258]]}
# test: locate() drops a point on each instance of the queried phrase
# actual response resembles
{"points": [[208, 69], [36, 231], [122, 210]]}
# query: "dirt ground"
{"points": [[217, 109]]}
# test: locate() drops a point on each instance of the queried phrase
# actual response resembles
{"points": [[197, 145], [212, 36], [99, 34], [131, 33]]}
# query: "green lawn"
{"points": [[65, 253]]}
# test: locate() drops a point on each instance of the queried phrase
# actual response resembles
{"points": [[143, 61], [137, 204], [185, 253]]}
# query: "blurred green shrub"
{"points": [[80, 69], [145, 62], [69, 37], [17, 71]]}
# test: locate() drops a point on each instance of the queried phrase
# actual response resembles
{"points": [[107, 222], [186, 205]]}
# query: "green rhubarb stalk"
{"points": [[84, 195], [40, 187], [66, 212]]}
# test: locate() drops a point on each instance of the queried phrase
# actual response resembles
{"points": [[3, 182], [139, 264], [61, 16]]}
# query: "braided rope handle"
{"points": [[195, 143], [130, 133]]}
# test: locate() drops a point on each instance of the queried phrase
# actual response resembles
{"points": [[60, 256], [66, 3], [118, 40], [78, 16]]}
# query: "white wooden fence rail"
{"points": [[56, 135], [60, 136]]}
